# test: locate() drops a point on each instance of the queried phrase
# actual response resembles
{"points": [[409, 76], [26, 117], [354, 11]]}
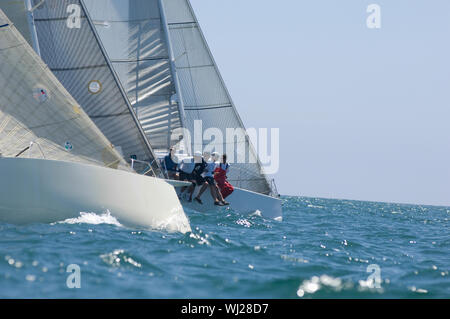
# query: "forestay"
{"points": [[38, 117], [204, 93], [71, 48], [132, 34]]}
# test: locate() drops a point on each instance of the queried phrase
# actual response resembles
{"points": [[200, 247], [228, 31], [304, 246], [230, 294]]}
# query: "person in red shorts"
{"points": [[220, 177]]}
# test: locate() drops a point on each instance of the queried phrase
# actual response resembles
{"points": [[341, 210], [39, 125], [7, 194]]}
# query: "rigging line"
{"points": [[195, 67], [207, 108], [181, 23], [108, 115], [140, 59], [185, 27], [56, 19], [80, 68], [130, 20], [209, 105]]}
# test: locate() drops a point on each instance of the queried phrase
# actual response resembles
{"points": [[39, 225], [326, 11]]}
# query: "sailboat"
{"points": [[56, 162], [162, 59], [141, 70]]}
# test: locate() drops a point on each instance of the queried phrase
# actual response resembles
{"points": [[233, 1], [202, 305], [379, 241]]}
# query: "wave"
{"points": [[94, 219], [177, 221]]}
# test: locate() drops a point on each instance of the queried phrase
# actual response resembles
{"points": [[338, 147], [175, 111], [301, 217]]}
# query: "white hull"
{"points": [[241, 201], [45, 191]]}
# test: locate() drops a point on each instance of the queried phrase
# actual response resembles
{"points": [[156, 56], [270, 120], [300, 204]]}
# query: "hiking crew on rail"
{"points": [[203, 171]]}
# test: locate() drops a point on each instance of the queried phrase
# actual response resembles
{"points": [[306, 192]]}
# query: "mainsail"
{"points": [[70, 46], [205, 96], [38, 117], [132, 34], [150, 61]]}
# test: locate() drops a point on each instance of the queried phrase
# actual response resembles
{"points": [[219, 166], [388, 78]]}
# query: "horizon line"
{"points": [[369, 201]]}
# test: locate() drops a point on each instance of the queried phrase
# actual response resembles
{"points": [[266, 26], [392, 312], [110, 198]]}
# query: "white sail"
{"points": [[38, 117], [70, 46], [132, 34], [205, 96]]}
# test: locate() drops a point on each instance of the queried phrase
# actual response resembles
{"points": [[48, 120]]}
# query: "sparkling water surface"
{"points": [[322, 249]]}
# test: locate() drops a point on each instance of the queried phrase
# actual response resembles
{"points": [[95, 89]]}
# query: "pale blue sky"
{"points": [[363, 113]]}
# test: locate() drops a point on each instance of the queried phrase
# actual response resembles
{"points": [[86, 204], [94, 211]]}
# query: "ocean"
{"points": [[323, 248]]}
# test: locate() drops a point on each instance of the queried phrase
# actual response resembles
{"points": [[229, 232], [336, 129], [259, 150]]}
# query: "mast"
{"points": [[32, 26], [173, 67]]}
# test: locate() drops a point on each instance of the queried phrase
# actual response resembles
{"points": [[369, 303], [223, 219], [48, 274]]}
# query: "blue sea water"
{"points": [[322, 249]]}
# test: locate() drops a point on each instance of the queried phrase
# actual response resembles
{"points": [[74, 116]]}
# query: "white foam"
{"points": [[94, 219], [316, 283], [176, 222], [244, 223], [257, 213]]}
